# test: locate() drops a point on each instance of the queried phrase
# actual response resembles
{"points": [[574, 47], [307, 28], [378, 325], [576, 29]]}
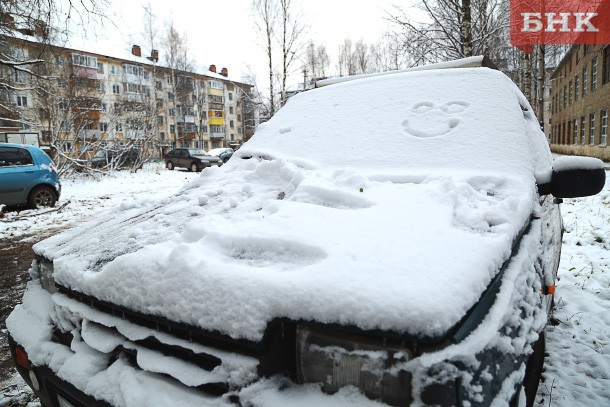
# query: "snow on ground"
{"points": [[85, 197], [578, 365]]}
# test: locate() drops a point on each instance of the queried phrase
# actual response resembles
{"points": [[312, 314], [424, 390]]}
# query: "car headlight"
{"points": [[336, 359], [45, 275]]}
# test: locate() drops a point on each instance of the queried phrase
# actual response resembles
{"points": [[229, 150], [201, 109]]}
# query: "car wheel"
{"points": [[42, 196], [193, 167], [169, 165]]}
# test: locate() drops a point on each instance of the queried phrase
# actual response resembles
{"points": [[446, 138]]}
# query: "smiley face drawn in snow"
{"points": [[428, 120]]}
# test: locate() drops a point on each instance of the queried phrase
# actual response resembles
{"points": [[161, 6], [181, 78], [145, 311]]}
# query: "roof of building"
{"points": [[106, 49]]}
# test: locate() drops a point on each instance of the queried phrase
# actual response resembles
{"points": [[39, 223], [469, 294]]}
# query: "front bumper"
{"points": [[50, 389]]}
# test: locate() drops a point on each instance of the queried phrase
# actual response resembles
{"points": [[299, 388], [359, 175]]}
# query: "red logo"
{"points": [[559, 22]]}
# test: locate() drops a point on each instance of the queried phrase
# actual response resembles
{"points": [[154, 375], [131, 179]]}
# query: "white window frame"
{"points": [[603, 128], [592, 128], [22, 101]]}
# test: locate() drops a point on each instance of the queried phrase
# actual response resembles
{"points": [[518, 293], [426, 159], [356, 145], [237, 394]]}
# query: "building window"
{"points": [[592, 128], [60, 60], [584, 81], [119, 127], [575, 130], [196, 144], [104, 127], [101, 87], [570, 94], [22, 101], [84, 60], [63, 104], [232, 137], [606, 67], [594, 74], [216, 85], [565, 96], [159, 119], [230, 109], [20, 77], [159, 85], [172, 111], [230, 96], [231, 124], [206, 144], [583, 133], [100, 67], [172, 128], [603, 139], [116, 89], [170, 95], [114, 70], [576, 87]]}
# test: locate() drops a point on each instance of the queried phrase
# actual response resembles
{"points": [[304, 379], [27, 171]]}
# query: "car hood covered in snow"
{"points": [[404, 241]]}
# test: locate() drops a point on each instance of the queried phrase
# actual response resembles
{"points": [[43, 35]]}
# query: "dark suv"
{"points": [[193, 159]]}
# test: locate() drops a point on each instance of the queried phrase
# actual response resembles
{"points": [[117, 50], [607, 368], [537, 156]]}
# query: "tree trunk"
{"points": [[466, 38]]}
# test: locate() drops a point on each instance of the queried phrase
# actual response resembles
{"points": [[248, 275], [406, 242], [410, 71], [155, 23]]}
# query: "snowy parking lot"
{"points": [[578, 361]]}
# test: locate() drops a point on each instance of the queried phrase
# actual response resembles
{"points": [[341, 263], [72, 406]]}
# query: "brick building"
{"points": [[580, 99]]}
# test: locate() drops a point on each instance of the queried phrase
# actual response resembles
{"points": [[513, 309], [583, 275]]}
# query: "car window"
{"points": [[100, 154], [184, 153], [197, 152], [15, 156]]}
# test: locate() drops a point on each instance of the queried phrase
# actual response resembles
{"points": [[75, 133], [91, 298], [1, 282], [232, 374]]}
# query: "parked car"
{"points": [[424, 276], [193, 159], [116, 158], [27, 176], [223, 153]]}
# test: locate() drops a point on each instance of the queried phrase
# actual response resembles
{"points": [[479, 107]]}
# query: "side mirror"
{"points": [[575, 177]]}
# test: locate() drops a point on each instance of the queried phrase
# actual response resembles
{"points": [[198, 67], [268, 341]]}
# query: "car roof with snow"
{"points": [[403, 240]]}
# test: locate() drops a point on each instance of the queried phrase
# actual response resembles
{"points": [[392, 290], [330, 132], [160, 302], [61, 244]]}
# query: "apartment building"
{"points": [[79, 100], [580, 98]]}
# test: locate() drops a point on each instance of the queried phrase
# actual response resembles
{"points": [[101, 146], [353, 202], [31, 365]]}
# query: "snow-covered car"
{"points": [[295, 275], [223, 153]]}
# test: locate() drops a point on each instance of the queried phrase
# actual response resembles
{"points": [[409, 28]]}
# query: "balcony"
{"points": [[135, 134], [217, 106], [187, 119], [90, 135], [217, 136]]}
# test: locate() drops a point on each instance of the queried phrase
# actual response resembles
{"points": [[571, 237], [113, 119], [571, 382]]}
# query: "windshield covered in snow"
{"points": [[470, 119]]}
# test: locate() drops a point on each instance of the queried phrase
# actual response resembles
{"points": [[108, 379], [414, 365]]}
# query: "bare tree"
{"points": [[454, 28], [291, 41], [361, 57], [265, 16], [46, 20], [316, 60], [346, 65]]}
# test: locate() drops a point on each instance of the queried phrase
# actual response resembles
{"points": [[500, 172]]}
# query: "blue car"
{"points": [[27, 176]]}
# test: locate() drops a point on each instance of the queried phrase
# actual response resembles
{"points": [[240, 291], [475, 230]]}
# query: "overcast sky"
{"points": [[222, 32]]}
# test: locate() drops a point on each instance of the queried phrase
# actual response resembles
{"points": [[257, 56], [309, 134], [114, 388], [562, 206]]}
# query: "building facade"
{"points": [[580, 99], [80, 101]]}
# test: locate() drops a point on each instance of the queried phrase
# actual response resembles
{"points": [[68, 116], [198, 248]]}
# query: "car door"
{"points": [[185, 159], [17, 174]]}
